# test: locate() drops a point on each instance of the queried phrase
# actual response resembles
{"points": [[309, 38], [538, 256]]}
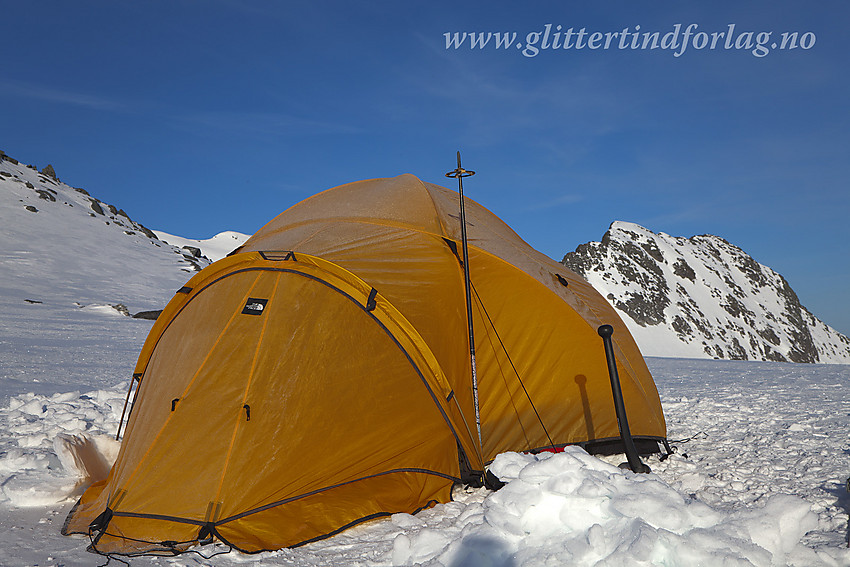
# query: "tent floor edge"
{"points": [[645, 445]]}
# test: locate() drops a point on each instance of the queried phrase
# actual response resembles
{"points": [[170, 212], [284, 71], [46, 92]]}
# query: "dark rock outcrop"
{"points": [[706, 293], [95, 206], [149, 315], [49, 172]]}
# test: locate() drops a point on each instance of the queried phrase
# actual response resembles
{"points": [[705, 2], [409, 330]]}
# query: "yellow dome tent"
{"points": [[319, 376]]}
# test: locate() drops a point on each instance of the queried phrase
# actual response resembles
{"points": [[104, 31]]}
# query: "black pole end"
{"points": [[605, 331]]}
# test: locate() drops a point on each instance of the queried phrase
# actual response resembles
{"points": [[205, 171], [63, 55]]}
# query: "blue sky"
{"points": [[202, 116]]}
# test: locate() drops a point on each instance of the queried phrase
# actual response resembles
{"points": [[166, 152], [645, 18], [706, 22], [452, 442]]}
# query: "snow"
{"points": [[759, 481], [757, 477], [656, 339], [214, 248]]}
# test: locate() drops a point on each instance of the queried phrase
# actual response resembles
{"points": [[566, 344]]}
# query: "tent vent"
{"points": [[278, 255], [254, 306], [185, 289], [453, 247], [371, 303], [562, 280], [247, 409], [174, 403]]}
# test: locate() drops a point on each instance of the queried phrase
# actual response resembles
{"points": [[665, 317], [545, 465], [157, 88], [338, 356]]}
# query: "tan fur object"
{"points": [[79, 454]]}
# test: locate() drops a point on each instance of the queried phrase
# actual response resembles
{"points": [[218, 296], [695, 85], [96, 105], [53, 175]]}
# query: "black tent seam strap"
{"points": [[359, 521], [325, 489], [343, 528], [161, 517], [434, 396], [175, 519], [162, 549], [202, 523]]}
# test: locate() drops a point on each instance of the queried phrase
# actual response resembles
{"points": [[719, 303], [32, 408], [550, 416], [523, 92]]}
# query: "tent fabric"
{"points": [[320, 375]]}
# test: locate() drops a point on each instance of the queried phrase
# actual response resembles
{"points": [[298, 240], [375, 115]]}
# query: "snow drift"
{"points": [[758, 485]]}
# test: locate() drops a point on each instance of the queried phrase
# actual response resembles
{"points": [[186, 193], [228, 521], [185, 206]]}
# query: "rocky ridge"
{"points": [[60, 245], [703, 297]]}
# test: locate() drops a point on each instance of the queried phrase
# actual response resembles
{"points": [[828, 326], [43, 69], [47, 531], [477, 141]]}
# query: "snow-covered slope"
{"points": [[71, 268], [702, 297], [61, 246], [214, 248]]}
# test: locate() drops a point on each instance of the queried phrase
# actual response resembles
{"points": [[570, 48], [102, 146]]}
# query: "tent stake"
{"points": [[638, 466], [459, 174]]}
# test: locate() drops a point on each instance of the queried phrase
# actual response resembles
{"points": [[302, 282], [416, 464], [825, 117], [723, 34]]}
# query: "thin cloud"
{"points": [[584, 105], [59, 96]]}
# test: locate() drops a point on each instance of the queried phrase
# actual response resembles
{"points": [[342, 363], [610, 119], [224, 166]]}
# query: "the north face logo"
{"points": [[254, 306]]}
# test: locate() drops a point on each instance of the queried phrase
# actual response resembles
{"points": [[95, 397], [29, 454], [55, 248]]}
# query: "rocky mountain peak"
{"points": [[703, 297]]}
